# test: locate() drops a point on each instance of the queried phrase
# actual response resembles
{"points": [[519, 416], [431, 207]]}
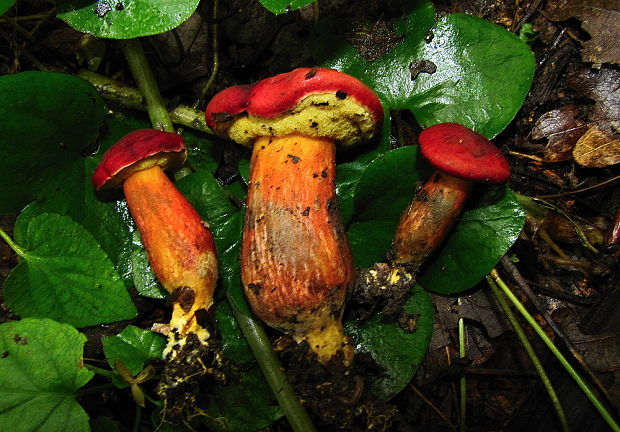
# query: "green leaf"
{"points": [[483, 72], [234, 345], [63, 274], [482, 236], [134, 347], [282, 6], [400, 353], [385, 188], [246, 404], [125, 19], [5, 5], [49, 122], [40, 370]]}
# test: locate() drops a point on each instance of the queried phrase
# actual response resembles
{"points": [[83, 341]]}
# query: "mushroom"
{"points": [[295, 259], [179, 246], [461, 158]]}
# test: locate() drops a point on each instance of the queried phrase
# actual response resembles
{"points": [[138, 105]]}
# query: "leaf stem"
{"points": [[141, 71], [530, 352], [272, 370], [16, 248], [556, 352]]}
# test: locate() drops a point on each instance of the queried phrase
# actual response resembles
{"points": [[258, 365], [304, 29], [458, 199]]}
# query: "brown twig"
{"points": [[432, 406]]}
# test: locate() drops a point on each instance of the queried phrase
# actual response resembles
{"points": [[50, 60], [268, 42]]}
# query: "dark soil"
{"points": [[575, 285]]}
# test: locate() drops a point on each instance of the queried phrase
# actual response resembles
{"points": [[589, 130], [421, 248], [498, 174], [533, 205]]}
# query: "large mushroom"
{"points": [[461, 157], [180, 249], [296, 261]]}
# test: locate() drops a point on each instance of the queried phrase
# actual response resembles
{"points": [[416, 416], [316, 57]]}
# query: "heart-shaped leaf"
{"points": [[49, 121], [134, 347], [125, 19], [460, 69], [40, 370], [382, 192], [399, 352], [64, 274], [484, 233]]}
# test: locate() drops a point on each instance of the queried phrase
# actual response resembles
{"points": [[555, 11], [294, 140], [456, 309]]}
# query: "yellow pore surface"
{"points": [[343, 121]]}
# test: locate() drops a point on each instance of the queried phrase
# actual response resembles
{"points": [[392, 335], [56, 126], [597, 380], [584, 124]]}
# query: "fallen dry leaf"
{"points": [[602, 87], [597, 149], [600, 18], [562, 129]]}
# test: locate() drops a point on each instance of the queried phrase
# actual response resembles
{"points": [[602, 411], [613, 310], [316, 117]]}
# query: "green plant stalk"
{"points": [[16, 248], [463, 379], [530, 352], [556, 352], [130, 97], [141, 71], [272, 370]]}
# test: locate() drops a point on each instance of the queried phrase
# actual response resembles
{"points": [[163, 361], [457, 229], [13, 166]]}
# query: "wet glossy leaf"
{"points": [[382, 193], [40, 370], [484, 233], [49, 121], [125, 19], [135, 347], [64, 274], [399, 352], [467, 70], [282, 6]]}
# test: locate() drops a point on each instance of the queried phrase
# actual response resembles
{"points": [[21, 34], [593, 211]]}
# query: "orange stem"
{"points": [[296, 261], [429, 218], [180, 248]]}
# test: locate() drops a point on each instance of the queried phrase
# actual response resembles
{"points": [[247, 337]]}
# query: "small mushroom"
{"points": [[461, 158], [296, 261], [179, 246]]}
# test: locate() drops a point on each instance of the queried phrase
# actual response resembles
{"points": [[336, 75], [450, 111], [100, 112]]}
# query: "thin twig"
{"points": [[437, 411], [577, 191], [216, 56]]}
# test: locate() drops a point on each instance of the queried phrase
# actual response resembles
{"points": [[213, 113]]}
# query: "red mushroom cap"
{"points": [[461, 152], [138, 150], [282, 95]]}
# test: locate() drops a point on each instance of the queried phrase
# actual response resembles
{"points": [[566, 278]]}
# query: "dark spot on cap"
{"points": [[324, 173], [306, 211], [221, 117], [310, 74], [184, 296], [341, 95]]}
